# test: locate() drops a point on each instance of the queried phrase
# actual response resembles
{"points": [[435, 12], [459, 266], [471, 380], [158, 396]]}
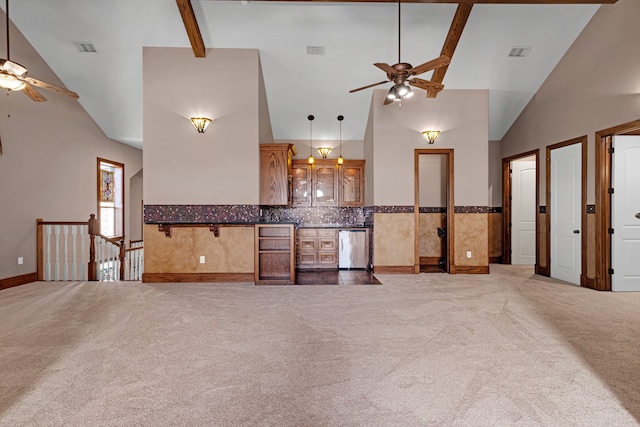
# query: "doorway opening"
{"points": [[603, 221], [566, 195], [433, 211], [521, 196]]}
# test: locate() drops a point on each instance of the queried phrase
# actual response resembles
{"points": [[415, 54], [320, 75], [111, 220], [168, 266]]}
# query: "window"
{"points": [[111, 198]]}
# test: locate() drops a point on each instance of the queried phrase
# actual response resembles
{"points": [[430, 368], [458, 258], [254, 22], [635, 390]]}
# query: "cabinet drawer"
{"points": [[307, 259], [307, 232], [327, 233], [327, 258], [326, 244], [307, 244]]}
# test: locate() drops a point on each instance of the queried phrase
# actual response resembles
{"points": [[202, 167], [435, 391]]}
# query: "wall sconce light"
{"points": [[430, 135], [324, 151], [340, 159], [200, 123], [311, 159]]}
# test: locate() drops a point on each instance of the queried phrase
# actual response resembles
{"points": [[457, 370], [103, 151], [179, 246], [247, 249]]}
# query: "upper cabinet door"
{"points": [[325, 183], [301, 183], [351, 179], [275, 173]]}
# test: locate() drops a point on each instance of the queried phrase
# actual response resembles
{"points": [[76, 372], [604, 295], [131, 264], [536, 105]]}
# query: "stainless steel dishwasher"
{"points": [[352, 249]]}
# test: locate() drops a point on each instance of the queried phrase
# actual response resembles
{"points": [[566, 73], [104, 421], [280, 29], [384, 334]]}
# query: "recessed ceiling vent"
{"points": [[85, 47], [315, 50], [520, 52]]}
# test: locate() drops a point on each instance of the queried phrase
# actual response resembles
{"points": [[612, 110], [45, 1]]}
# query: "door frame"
{"points": [[583, 206], [448, 152], [602, 281], [506, 205]]}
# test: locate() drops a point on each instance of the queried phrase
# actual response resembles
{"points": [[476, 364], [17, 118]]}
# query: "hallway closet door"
{"points": [[625, 214], [523, 212], [566, 191]]}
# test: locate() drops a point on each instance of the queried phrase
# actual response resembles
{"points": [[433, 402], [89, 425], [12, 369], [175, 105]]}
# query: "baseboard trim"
{"points": [[472, 269], [196, 277], [393, 269], [495, 259], [11, 282], [542, 271]]}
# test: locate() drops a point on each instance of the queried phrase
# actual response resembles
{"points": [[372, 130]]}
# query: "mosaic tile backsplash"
{"points": [[301, 216]]}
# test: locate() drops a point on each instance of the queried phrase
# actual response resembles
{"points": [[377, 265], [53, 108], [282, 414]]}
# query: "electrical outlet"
{"points": [[468, 254], [20, 260], [201, 259]]}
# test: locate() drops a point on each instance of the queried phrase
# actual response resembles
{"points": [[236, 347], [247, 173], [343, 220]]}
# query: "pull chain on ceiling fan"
{"points": [[13, 76], [401, 73]]}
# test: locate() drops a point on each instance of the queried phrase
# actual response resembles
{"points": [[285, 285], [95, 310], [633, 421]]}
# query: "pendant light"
{"points": [[311, 159], [340, 159]]}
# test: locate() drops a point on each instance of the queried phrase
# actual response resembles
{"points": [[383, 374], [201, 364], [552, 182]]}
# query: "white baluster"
{"points": [[57, 252], [85, 262], [74, 259], [65, 238], [47, 248]]}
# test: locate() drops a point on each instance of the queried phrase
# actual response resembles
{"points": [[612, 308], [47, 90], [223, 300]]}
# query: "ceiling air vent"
{"points": [[315, 50], [520, 52], [85, 47]]}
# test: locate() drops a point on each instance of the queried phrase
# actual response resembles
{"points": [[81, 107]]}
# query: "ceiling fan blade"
{"points": [[386, 68], [32, 93], [368, 86], [426, 84], [430, 65], [49, 86]]}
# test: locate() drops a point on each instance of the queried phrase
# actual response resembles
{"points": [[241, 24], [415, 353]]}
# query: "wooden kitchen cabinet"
{"points": [[315, 185], [317, 248], [301, 183], [275, 173], [351, 183], [275, 254]]}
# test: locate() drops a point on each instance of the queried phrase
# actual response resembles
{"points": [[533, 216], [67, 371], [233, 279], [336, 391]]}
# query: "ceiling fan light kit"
{"points": [[13, 76], [400, 74]]}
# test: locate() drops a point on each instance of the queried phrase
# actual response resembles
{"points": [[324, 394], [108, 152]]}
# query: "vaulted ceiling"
{"points": [[312, 52]]}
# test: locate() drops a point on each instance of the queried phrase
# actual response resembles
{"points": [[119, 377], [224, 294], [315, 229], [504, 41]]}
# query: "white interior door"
{"points": [[566, 193], [523, 212], [625, 214]]}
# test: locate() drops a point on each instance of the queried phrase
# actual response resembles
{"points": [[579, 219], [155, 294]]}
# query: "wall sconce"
{"points": [[324, 151], [311, 159], [430, 135], [340, 159], [200, 123]]}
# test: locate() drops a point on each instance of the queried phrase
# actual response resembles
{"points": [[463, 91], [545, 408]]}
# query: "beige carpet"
{"points": [[505, 349]]}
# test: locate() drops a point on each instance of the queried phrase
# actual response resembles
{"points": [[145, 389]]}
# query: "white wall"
{"points": [[48, 168], [595, 86], [220, 166], [461, 116]]}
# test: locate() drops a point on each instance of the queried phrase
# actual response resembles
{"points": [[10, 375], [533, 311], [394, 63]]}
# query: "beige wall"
{"points": [[595, 86], [393, 240], [181, 165], [495, 174], [231, 252], [462, 118], [48, 167]]}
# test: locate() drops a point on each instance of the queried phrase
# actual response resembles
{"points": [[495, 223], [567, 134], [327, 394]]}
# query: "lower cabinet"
{"points": [[317, 248], [275, 254]]}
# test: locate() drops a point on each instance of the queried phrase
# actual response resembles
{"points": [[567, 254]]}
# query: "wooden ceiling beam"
{"points": [[451, 42], [191, 25], [471, 2]]}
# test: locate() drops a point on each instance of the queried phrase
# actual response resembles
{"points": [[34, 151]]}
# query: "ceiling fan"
{"points": [[13, 76], [400, 74]]}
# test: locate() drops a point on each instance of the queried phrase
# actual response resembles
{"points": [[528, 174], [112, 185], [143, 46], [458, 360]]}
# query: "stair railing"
{"points": [[62, 249]]}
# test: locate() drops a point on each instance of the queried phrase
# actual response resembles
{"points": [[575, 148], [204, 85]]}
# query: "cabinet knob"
{"points": [[576, 231]]}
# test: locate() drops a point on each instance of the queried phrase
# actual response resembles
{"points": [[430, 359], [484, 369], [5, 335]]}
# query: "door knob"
{"points": [[576, 231], [638, 215]]}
